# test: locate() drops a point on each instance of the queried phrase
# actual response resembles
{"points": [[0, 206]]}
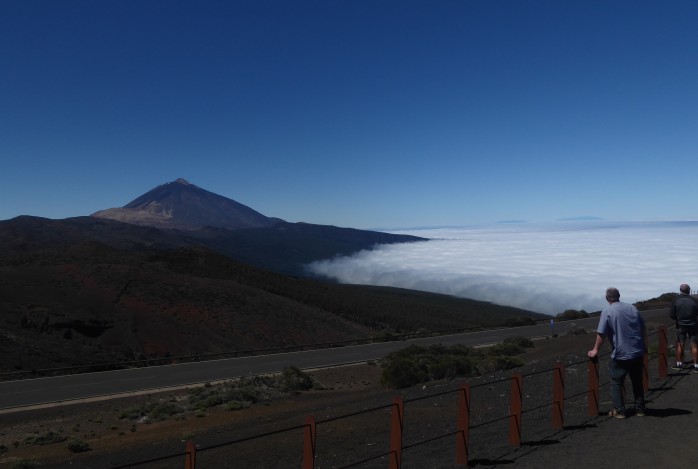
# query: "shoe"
{"points": [[677, 367], [640, 412], [695, 369], [617, 414]]}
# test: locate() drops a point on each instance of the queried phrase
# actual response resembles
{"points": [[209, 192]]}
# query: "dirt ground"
{"points": [[227, 438]]}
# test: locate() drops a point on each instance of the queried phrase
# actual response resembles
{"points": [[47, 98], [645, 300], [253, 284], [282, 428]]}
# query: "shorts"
{"points": [[687, 332]]}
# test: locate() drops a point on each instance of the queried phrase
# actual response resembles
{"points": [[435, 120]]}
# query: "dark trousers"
{"points": [[619, 370]]}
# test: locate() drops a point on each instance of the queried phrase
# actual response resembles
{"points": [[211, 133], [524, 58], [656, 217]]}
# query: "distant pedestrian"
{"points": [[684, 310], [624, 328]]}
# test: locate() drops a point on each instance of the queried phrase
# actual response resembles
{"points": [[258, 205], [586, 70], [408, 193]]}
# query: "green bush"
{"points": [[137, 413], [77, 445], [572, 314], [204, 397], [250, 394], [523, 342], [415, 364], [293, 379], [152, 411], [402, 372], [450, 367], [162, 411], [237, 405], [507, 349], [45, 439]]}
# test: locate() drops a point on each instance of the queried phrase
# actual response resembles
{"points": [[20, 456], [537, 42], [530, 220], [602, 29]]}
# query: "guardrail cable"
{"points": [[517, 378]]}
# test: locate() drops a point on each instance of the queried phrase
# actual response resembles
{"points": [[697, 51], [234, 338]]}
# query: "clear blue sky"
{"points": [[356, 113]]}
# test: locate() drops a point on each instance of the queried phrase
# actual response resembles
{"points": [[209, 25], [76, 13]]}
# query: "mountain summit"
{"points": [[181, 214], [185, 206]]}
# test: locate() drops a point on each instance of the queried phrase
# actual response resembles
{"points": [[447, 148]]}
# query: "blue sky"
{"points": [[361, 113]]}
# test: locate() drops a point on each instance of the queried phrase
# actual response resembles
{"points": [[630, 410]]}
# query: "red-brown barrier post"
{"points": [[463, 425], [646, 366], [190, 456], [593, 392], [558, 395], [516, 409], [662, 352], [309, 436], [397, 421]]}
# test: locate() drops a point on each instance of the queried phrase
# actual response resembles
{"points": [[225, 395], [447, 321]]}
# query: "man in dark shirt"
{"points": [[684, 310]]}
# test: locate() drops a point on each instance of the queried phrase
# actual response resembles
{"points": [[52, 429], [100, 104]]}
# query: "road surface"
{"points": [[25, 393]]}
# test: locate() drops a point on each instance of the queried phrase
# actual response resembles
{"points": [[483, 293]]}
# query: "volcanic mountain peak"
{"points": [[182, 205]]}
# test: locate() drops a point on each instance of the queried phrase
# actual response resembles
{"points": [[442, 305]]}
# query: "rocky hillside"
{"points": [[93, 303]]}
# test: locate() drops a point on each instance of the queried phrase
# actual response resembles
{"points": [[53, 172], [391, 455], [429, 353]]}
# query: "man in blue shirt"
{"points": [[624, 328]]}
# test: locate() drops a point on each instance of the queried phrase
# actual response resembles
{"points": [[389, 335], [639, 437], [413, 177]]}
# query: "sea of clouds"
{"points": [[547, 268]]}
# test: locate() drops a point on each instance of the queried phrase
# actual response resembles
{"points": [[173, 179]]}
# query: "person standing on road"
{"points": [[624, 328], [684, 310]]}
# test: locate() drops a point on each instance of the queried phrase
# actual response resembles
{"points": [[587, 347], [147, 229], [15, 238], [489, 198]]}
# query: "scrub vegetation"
{"points": [[415, 364], [236, 394]]}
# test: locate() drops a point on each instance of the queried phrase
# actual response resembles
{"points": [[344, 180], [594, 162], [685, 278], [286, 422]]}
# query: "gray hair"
{"points": [[612, 294]]}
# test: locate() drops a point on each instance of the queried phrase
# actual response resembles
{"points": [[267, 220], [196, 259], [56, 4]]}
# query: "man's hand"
{"points": [[593, 353]]}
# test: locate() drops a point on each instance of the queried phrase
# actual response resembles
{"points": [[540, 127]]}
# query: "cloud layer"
{"points": [[543, 268]]}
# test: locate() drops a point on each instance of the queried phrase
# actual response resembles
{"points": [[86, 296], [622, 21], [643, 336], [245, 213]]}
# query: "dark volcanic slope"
{"points": [[29, 234], [181, 205], [288, 247], [91, 303], [285, 247]]}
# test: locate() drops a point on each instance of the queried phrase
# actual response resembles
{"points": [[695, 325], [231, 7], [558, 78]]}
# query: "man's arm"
{"points": [[595, 351]]}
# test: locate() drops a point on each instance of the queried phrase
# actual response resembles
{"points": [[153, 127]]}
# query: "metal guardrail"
{"points": [[462, 441]]}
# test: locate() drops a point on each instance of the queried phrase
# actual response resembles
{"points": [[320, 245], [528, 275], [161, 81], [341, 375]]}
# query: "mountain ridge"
{"points": [[284, 248]]}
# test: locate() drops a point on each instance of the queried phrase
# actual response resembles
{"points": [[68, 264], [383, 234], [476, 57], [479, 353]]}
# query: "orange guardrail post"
{"points": [[309, 443], [516, 409], [662, 352], [397, 420], [558, 395], [463, 425], [593, 391], [190, 456]]}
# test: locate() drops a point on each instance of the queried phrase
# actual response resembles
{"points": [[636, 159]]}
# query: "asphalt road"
{"points": [[26, 393]]}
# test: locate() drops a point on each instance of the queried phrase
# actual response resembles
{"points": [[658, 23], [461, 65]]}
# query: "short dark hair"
{"points": [[612, 294], [684, 288]]}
